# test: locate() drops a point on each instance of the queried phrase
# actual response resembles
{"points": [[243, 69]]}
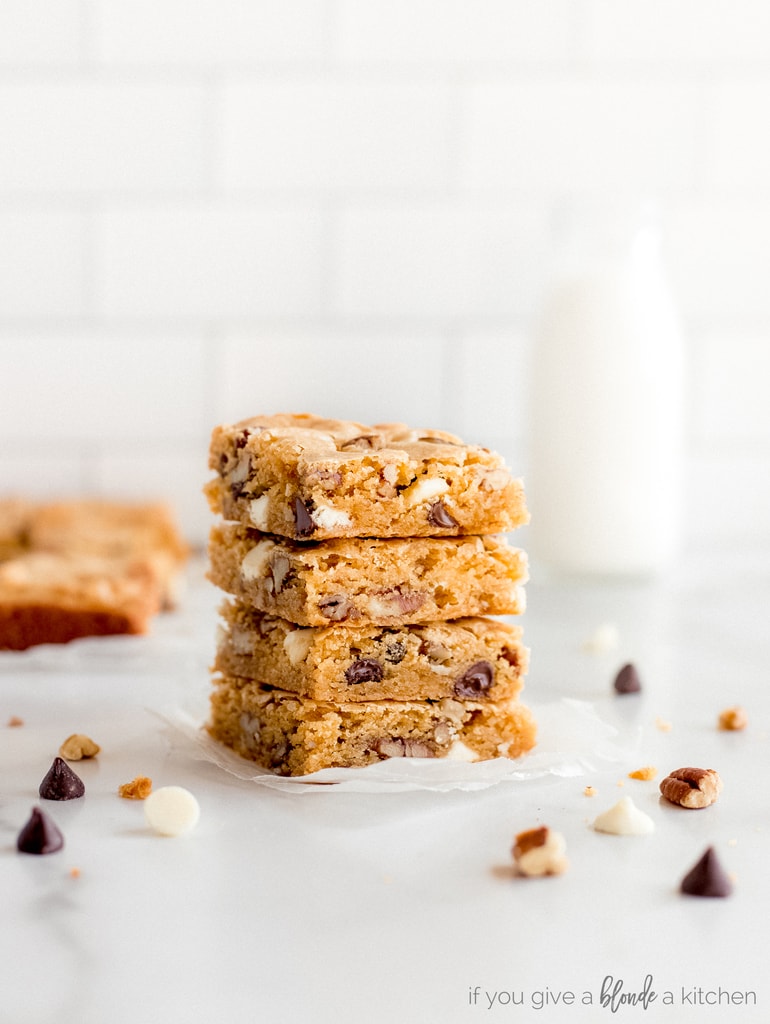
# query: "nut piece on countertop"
{"points": [[78, 747], [138, 789], [692, 787], [540, 851], [733, 719]]}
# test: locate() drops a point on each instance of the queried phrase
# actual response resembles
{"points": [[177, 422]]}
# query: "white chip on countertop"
{"points": [[604, 639], [171, 810], [625, 819]]}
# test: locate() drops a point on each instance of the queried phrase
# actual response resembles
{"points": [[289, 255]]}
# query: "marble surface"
{"points": [[370, 906]]}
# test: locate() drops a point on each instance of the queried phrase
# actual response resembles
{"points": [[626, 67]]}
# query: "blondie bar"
{"points": [[294, 736], [476, 658], [113, 530], [48, 597], [305, 477], [390, 582]]}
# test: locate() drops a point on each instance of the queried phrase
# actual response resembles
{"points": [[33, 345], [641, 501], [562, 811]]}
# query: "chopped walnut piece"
{"points": [[692, 787], [733, 719], [78, 747], [138, 789], [645, 774]]}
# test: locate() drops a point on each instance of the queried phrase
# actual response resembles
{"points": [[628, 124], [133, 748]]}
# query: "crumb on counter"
{"points": [[589, 791], [138, 789], [14, 722], [663, 724], [733, 719], [644, 774]]}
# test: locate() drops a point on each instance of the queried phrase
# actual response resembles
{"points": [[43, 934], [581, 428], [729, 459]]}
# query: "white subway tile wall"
{"points": [[214, 208]]}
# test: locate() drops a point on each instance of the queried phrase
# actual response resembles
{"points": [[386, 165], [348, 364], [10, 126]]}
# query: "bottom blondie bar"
{"points": [[294, 736]]}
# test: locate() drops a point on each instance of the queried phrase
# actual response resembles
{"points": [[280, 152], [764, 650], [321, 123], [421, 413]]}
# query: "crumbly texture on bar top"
{"points": [[47, 597], [305, 477], [296, 736], [476, 658], [352, 581]]}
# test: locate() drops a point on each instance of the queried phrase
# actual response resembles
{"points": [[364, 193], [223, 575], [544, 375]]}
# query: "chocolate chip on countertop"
{"points": [[61, 783], [627, 680], [439, 516], [707, 877], [39, 835], [303, 523], [365, 670], [475, 681]]}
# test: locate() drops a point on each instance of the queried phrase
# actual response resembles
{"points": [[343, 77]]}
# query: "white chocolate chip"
{"points": [[297, 644], [258, 508], [624, 819], [459, 751], [171, 810], [327, 518], [254, 564], [604, 639], [425, 490]]}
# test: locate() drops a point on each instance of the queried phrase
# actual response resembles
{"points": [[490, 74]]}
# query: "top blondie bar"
{"points": [[305, 477]]}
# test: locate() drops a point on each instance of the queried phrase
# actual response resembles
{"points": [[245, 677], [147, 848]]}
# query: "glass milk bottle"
{"points": [[605, 476]]}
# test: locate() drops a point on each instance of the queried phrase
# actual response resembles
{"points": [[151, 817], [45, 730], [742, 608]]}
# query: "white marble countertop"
{"points": [[340, 907]]}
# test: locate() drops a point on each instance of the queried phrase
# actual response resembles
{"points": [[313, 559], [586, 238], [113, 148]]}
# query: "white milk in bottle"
{"points": [[605, 477]]}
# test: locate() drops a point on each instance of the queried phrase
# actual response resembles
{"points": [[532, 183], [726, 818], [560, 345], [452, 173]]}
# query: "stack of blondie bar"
{"points": [[362, 563]]}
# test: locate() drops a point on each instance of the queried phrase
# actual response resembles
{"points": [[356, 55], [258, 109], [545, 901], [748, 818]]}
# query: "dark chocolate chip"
{"points": [[707, 877], [304, 525], [365, 670], [242, 438], [476, 681], [39, 835], [61, 783], [395, 652], [627, 680], [439, 516]]}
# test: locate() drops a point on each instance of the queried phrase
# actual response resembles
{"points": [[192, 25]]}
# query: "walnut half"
{"points": [[692, 787]]}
